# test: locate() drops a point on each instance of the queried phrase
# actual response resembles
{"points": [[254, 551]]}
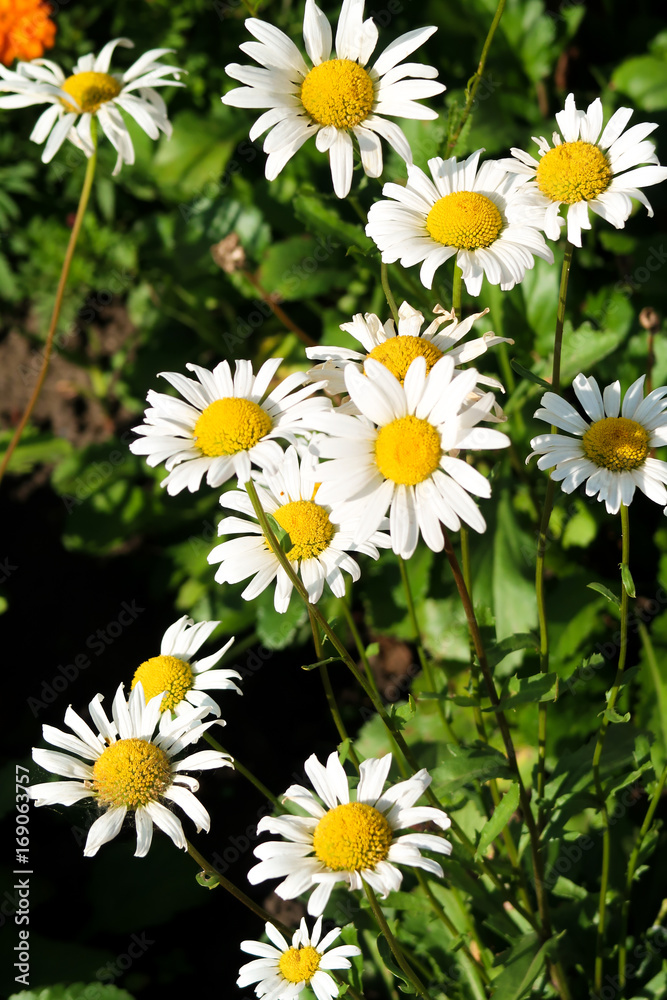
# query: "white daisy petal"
{"points": [[612, 455], [585, 169], [303, 102]]}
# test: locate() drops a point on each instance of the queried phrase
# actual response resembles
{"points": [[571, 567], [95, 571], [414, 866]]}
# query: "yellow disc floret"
{"points": [[231, 425], [574, 171], [131, 773], [465, 220], [398, 353], [408, 450], [308, 527], [164, 673], [299, 965], [616, 443], [351, 837], [90, 91], [338, 92]]}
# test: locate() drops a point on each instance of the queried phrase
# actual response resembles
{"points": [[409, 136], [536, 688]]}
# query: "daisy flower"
{"points": [[25, 29], [282, 970], [335, 96], [225, 424], [127, 767], [347, 841], [92, 91], [317, 545], [589, 166], [488, 218], [610, 453], [398, 453], [396, 350], [182, 680]]}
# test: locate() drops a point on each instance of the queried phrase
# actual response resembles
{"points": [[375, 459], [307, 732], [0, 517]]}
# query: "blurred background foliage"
{"points": [[87, 527]]}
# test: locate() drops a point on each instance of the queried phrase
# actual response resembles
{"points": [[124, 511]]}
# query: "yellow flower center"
{"points": [[90, 91], [338, 92], [164, 673], [131, 773], [408, 450], [230, 425], [352, 837], [299, 965], [465, 220], [616, 443], [398, 353], [308, 527], [574, 171]]}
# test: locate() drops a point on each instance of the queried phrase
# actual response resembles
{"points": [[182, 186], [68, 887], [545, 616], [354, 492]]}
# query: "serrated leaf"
{"points": [[497, 651], [606, 592], [524, 690], [463, 765], [498, 821]]}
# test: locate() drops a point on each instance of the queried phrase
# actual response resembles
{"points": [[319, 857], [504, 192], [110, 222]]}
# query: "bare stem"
{"points": [[60, 291]]}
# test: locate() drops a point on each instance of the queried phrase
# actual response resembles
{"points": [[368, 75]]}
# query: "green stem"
{"points": [[264, 915], [248, 775], [536, 855], [476, 79], [391, 301], [423, 659], [329, 692], [630, 874], [543, 535], [457, 281], [597, 754], [394, 946], [60, 291], [396, 734]]}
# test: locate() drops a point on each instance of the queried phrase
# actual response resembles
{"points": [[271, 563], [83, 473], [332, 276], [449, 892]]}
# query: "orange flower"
{"points": [[26, 30]]}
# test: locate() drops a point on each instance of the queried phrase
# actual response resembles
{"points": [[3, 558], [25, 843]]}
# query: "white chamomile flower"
{"points": [[347, 841], [127, 767], [401, 452], [335, 96], [316, 543], [610, 453], [92, 91], [396, 350], [488, 218], [182, 680], [226, 425], [591, 167], [282, 971]]}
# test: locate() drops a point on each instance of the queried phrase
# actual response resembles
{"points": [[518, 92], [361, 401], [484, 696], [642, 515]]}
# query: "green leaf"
{"points": [[302, 267], [628, 582], [521, 967], [275, 630], [463, 765], [320, 218], [321, 663], [35, 449], [530, 376], [498, 821], [644, 79], [513, 585], [373, 649], [195, 156], [497, 651], [580, 528], [524, 690], [405, 985], [606, 592], [611, 715]]}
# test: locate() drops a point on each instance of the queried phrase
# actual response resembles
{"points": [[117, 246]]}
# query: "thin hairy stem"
{"points": [[60, 291], [475, 80], [597, 754], [329, 691], [394, 946]]}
